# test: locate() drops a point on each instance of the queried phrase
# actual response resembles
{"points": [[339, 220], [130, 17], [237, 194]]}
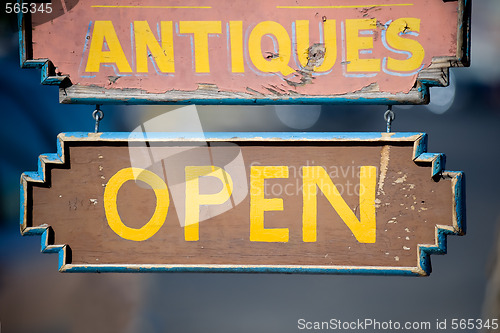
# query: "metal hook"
{"points": [[389, 117], [97, 115]]}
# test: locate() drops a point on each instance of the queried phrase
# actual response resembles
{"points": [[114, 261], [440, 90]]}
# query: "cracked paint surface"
{"points": [[220, 50]]}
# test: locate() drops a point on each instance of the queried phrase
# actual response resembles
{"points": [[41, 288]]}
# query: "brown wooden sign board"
{"points": [[355, 203], [247, 52]]}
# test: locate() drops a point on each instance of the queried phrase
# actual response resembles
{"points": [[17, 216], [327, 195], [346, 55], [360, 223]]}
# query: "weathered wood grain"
{"points": [[417, 204], [63, 53]]}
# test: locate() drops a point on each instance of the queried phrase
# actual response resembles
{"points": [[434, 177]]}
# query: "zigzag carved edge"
{"points": [[436, 74], [423, 268]]}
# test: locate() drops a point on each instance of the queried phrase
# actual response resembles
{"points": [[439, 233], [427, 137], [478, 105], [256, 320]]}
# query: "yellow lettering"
{"points": [[194, 199], [355, 43], [236, 35], [330, 44], [258, 204], [394, 38], [278, 63], [145, 39], [104, 31], [200, 31], [111, 208], [302, 36], [363, 229]]}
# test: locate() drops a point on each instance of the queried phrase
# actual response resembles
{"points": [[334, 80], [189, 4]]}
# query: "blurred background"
{"points": [[463, 121]]}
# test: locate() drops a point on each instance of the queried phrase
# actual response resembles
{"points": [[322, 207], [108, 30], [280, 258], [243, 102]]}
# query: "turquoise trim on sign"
{"points": [[420, 146], [437, 160], [52, 157], [22, 38], [440, 248], [317, 136], [459, 228], [459, 192], [333, 100], [241, 269], [35, 175], [21, 200]]}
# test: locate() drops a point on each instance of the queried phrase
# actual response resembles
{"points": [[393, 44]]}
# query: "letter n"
{"points": [[363, 229]]}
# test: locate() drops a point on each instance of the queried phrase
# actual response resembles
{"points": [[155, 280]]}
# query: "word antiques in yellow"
{"points": [[248, 52], [245, 52]]}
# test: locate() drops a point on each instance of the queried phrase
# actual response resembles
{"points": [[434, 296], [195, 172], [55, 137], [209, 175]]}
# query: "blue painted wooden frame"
{"points": [[436, 75], [423, 267]]}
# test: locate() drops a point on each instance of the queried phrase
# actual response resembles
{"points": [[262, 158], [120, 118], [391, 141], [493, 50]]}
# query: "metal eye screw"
{"points": [[389, 117], [97, 115]]}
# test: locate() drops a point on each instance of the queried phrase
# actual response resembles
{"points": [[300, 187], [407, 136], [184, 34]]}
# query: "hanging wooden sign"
{"points": [[241, 52], [354, 203]]}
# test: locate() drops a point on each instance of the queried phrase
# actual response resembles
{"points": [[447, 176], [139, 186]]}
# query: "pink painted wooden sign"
{"points": [[240, 52]]}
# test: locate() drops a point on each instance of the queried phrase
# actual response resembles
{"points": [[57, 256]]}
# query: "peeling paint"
{"points": [[315, 57], [401, 180], [384, 165], [113, 79], [423, 251]]}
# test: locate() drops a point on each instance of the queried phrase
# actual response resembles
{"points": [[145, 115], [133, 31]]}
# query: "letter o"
{"points": [[111, 208]]}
